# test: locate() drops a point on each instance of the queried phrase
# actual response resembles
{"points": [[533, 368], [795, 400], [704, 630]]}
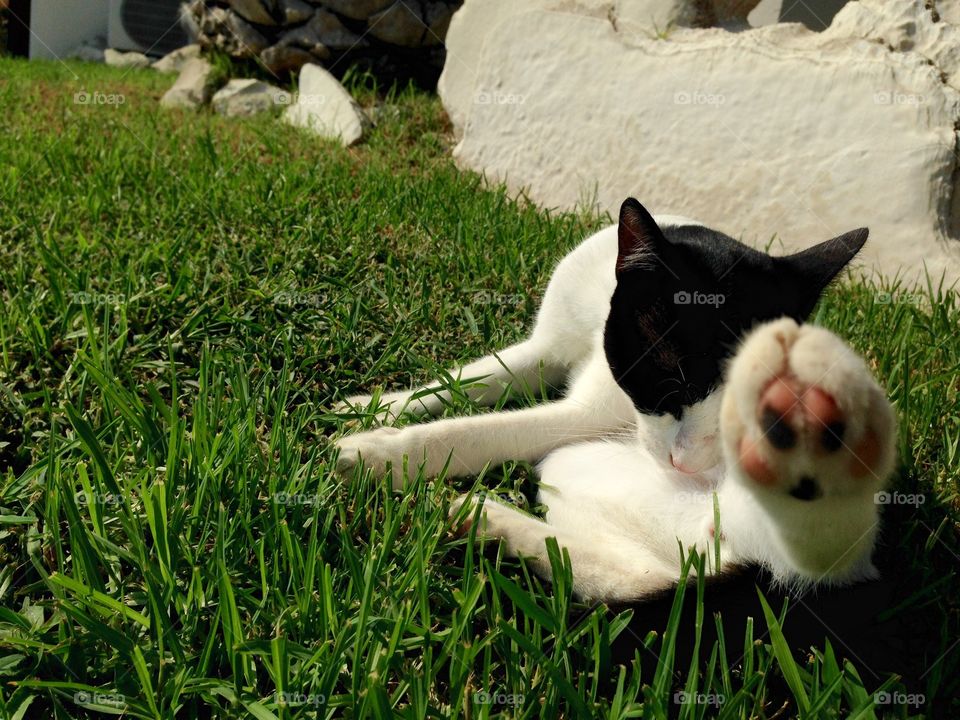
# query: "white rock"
{"points": [[776, 131], [241, 97], [906, 25], [949, 10], [325, 108], [192, 89], [173, 62], [87, 52], [115, 58], [476, 19]]}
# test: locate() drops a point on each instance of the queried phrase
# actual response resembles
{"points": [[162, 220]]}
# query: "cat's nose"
{"points": [[790, 412]]}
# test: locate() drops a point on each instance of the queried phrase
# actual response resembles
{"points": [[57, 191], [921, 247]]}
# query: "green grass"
{"points": [[185, 297]]}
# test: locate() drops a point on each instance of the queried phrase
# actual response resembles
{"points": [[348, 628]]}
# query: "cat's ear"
{"points": [[817, 266], [638, 235]]}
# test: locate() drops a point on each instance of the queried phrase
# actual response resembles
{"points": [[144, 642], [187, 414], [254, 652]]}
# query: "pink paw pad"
{"points": [[790, 414]]}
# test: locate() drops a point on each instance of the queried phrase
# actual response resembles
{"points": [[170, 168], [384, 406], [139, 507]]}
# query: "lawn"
{"points": [[186, 297]]}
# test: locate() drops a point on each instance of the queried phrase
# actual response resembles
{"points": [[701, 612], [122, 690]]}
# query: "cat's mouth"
{"points": [[807, 489]]}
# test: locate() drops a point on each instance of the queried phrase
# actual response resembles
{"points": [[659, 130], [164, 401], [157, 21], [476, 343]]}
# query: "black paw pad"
{"points": [[776, 430]]}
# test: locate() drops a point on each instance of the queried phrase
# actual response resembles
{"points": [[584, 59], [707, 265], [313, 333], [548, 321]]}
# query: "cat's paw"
{"points": [[495, 518], [803, 415], [380, 450]]}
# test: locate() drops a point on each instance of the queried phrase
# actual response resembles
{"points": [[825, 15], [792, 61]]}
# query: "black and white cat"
{"points": [[641, 320]]}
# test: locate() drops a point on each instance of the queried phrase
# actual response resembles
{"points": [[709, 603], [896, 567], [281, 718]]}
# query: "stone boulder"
{"points": [[476, 19], [776, 132], [173, 62], [116, 58], [325, 108], [192, 88], [242, 97], [400, 38]]}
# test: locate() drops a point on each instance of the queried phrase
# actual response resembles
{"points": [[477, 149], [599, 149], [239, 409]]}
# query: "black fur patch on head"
{"points": [[685, 297]]}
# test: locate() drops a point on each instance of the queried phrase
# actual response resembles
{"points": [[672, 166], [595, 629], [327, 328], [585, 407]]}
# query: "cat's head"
{"points": [[687, 295]]}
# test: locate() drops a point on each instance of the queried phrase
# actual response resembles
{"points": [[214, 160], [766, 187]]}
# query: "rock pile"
{"points": [[286, 34]]}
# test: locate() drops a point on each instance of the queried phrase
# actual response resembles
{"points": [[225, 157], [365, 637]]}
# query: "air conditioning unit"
{"points": [[148, 26]]}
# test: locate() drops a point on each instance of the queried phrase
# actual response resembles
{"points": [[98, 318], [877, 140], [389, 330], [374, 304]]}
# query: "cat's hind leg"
{"points": [[605, 568]]}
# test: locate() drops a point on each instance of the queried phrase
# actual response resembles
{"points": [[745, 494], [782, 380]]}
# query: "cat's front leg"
{"points": [[809, 435], [467, 445]]}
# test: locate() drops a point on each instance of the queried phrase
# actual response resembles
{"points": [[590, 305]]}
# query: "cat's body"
{"points": [[634, 450]]}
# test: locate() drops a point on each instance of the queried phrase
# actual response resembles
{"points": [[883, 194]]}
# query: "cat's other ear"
{"points": [[816, 267], [637, 235]]}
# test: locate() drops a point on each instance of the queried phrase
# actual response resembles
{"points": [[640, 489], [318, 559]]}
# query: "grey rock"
{"points": [[295, 11], [357, 9], [322, 32], [242, 40], [243, 97], [399, 24], [115, 58], [282, 58], [173, 62], [192, 89], [325, 109], [253, 10]]}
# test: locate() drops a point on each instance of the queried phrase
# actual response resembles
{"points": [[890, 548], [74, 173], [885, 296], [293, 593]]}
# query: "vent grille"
{"points": [[153, 24]]}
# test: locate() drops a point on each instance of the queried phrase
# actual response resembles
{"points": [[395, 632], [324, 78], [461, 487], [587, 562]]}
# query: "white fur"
{"points": [[609, 476]]}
